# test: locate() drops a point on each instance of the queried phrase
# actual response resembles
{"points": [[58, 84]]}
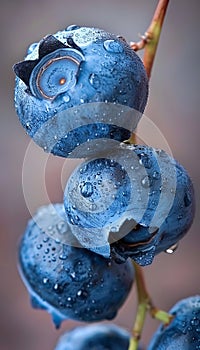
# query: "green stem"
{"points": [[144, 305]]}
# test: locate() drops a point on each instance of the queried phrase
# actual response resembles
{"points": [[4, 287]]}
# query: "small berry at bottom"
{"points": [[95, 337]]}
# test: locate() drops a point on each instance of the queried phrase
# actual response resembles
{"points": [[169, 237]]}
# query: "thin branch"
{"points": [[149, 41], [145, 305]]}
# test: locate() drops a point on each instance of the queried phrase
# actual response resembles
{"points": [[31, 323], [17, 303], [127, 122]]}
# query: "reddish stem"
{"points": [[150, 39]]}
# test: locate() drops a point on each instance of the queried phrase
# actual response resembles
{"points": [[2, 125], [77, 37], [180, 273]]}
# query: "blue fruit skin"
{"points": [[71, 282], [184, 331], [94, 178], [170, 196], [95, 337], [174, 225], [105, 75]]}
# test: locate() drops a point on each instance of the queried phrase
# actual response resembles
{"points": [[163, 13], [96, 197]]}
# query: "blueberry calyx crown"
{"points": [[50, 52]]}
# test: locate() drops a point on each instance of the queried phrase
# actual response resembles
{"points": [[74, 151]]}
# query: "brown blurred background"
{"points": [[173, 107]]}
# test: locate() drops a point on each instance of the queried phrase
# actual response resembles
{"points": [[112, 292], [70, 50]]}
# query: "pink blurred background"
{"points": [[173, 107]]}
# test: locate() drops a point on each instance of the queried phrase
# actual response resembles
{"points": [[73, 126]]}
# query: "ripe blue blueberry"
{"points": [[184, 330], [95, 337], [67, 281], [80, 86], [137, 199]]}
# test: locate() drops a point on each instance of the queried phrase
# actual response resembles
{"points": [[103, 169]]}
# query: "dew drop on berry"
{"points": [[45, 280], [172, 249], [73, 275], [93, 207], [83, 169], [94, 80], [28, 126], [72, 27], [39, 246], [195, 321], [66, 98], [113, 46], [156, 175], [62, 227], [87, 189], [145, 161], [62, 257], [146, 182], [82, 294]]}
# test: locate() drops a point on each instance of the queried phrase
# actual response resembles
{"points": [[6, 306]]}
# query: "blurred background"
{"points": [[173, 107]]}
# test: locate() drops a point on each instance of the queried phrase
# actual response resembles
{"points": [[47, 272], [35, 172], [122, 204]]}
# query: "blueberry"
{"points": [[184, 330], [78, 86], [137, 199], [95, 337], [67, 281], [169, 213]]}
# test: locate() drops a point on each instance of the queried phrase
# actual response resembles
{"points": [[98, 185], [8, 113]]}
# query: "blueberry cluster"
{"points": [[81, 93], [183, 333]]}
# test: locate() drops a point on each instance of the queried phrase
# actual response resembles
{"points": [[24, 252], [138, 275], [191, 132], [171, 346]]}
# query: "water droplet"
{"points": [[93, 207], [195, 321], [56, 286], [73, 275], [66, 98], [156, 175], [39, 246], [146, 182], [83, 170], [172, 249], [62, 256], [45, 280], [113, 46], [72, 27], [87, 189], [28, 126], [62, 227], [94, 80], [46, 251], [145, 161], [82, 294]]}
